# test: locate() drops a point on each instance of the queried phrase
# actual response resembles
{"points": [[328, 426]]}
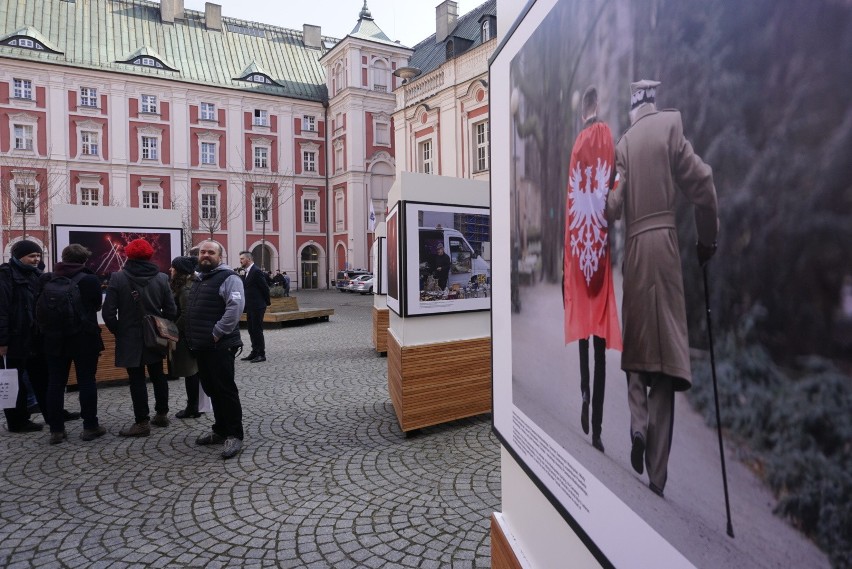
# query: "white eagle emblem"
{"points": [[587, 190]]}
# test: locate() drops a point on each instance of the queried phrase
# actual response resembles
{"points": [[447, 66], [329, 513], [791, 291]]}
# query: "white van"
{"points": [[466, 263]]}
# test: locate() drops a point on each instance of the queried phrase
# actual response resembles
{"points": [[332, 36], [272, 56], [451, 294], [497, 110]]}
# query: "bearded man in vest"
{"points": [[215, 305], [654, 162]]}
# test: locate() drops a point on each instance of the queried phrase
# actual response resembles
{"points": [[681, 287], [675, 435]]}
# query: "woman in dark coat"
{"points": [[181, 361], [137, 290]]}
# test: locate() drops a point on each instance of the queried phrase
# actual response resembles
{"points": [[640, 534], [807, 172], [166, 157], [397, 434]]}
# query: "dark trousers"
{"points": [[600, 380], [192, 382], [216, 368], [254, 319], [58, 367], [36, 370], [139, 392]]}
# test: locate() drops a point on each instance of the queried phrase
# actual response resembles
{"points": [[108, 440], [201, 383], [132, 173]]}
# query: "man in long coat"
{"points": [[588, 293], [653, 162]]}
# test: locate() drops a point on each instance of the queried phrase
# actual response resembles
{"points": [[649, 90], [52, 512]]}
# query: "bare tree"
{"points": [[28, 186], [268, 191]]}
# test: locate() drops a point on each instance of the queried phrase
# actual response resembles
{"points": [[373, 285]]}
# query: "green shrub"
{"points": [[798, 424]]}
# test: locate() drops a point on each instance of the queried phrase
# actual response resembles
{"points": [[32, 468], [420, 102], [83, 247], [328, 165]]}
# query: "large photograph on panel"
{"points": [[394, 288], [107, 245], [767, 113], [445, 268]]}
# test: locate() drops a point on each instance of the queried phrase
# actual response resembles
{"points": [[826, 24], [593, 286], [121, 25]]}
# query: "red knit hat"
{"points": [[139, 249]]}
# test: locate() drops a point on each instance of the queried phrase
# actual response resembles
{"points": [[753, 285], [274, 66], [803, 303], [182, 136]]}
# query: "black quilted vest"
{"points": [[204, 309]]}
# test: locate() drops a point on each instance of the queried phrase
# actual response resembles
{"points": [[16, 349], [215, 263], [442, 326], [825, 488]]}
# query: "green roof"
{"points": [[106, 34]]}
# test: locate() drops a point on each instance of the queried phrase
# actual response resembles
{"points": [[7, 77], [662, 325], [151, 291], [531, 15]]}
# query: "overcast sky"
{"points": [[409, 21]]}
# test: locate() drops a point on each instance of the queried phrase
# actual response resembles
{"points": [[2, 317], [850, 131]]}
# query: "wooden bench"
{"points": [[286, 309]]}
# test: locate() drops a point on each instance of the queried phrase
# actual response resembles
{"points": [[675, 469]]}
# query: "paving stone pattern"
{"points": [[326, 477]]}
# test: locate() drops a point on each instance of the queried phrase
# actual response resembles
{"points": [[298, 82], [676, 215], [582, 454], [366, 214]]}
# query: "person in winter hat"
{"points": [[135, 291], [18, 347]]}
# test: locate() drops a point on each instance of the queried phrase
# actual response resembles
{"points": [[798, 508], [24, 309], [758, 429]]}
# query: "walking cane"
{"points": [[716, 399]]}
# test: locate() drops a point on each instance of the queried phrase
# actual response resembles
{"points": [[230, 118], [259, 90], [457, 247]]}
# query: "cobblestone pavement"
{"points": [[326, 478]]}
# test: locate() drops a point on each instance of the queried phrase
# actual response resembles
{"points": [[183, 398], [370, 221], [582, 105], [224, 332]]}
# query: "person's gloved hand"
{"points": [[705, 252]]}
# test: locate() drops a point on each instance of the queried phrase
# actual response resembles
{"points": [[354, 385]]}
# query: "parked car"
{"points": [[344, 277], [351, 287], [363, 285]]}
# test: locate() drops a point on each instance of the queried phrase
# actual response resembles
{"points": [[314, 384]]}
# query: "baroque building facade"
{"points": [[277, 141]]}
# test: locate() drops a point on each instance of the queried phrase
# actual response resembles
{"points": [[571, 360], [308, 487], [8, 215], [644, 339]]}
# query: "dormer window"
{"points": [[147, 57], [486, 31], [450, 49], [28, 38], [26, 43], [261, 78]]}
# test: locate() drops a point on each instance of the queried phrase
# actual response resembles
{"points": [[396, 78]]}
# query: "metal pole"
{"points": [[716, 399]]}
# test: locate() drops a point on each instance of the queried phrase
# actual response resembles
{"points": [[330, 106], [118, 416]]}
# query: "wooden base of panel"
{"points": [[432, 384], [381, 321], [502, 554]]}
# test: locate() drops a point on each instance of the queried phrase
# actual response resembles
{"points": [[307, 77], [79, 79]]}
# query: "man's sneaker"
{"points": [[233, 446], [28, 427], [142, 429], [637, 453], [160, 420], [70, 415], [56, 438], [210, 439], [92, 434]]}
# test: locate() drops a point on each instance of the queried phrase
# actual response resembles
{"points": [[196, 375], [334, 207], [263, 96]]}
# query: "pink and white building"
{"points": [[268, 139]]}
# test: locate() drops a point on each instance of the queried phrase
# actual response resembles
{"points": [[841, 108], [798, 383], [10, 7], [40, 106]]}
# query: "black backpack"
{"points": [[59, 307]]}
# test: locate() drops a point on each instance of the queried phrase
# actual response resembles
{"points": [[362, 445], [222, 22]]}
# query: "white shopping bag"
{"points": [[8, 387], [204, 404]]}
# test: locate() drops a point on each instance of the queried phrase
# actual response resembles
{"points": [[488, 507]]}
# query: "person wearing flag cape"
{"points": [[588, 294]]}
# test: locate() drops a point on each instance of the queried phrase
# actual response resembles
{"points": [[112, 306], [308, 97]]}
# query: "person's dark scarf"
{"points": [[25, 268]]}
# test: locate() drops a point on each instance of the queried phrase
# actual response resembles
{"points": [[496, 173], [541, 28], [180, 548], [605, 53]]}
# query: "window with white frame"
{"points": [[22, 89], [208, 112], [89, 143], [338, 155], [25, 202], [381, 76], [23, 137], [309, 123], [150, 148], [90, 196], [149, 104], [424, 156], [88, 97], [26, 42], [310, 212], [262, 204], [309, 161], [150, 199], [208, 153], [486, 31], [339, 210], [209, 206], [261, 157], [261, 117], [480, 146], [382, 130]]}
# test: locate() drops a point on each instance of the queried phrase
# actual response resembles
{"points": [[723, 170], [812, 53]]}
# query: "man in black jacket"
{"points": [[135, 291], [18, 286], [81, 346], [257, 299], [215, 304]]}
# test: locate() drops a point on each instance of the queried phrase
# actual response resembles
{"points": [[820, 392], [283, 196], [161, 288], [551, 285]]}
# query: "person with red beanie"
{"points": [[135, 291]]}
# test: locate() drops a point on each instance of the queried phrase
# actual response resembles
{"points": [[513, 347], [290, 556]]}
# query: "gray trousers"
{"points": [[650, 397]]}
